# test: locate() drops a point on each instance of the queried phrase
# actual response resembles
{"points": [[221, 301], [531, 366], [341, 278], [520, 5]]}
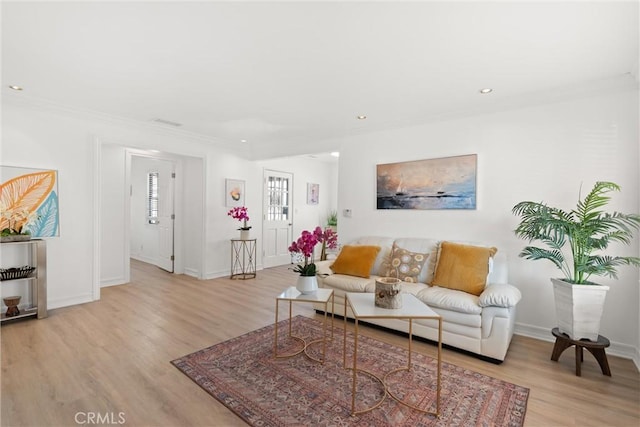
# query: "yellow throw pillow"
{"points": [[406, 265], [355, 260], [463, 267]]}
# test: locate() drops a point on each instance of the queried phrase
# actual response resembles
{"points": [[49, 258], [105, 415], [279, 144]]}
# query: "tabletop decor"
{"points": [[307, 282], [388, 293], [240, 213]]}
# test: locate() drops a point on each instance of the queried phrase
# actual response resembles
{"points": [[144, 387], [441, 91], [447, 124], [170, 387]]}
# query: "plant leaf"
{"points": [[46, 224]]}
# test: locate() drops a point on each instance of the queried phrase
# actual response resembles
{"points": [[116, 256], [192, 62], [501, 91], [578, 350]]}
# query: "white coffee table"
{"points": [[363, 307], [292, 295]]}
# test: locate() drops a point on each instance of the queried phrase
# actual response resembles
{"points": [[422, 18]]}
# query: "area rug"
{"points": [[263, 391]]}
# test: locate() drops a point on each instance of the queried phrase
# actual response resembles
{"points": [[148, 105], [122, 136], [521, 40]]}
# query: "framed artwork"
{"points": [[234, 192], [313, 193], [29, 201], [443, 183]]}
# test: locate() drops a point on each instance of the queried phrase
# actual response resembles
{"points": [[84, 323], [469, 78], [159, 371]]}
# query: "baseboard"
{"points": [[616, 349], [66, 302], [112, 282]]}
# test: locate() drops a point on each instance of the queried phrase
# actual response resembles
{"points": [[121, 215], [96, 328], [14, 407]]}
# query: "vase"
{"points": [[307, 284], [245, 234], [388, 293], [579, 308]]}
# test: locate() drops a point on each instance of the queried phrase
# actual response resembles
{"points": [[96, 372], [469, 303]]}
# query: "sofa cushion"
{"points": [[450, 299], [349, 283], [425, 246], [355, 260], [379, 267], [500, 295], [462, 267], [405, 265]]}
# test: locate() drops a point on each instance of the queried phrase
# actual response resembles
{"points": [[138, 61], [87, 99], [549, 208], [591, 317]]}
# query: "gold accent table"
{"points": [[243, 258], [363, 307], [292, 295]]}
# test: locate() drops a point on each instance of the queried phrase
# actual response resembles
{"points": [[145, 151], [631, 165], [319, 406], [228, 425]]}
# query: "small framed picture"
{"points": [[313, 193], [234, 192]]}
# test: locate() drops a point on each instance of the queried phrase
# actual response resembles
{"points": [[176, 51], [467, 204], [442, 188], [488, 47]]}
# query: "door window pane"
{"points": [[278, 199], [152, 197]]}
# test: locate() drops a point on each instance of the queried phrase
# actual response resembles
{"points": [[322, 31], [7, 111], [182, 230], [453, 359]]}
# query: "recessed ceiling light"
{"points": [[486, 90], [243, 140], [361, 117], [14, 87], [335, 154]]}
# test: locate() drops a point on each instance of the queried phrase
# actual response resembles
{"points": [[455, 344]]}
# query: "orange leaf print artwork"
{"points": [[25, 193]]}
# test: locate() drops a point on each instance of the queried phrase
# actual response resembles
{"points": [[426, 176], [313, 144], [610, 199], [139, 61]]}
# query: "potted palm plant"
{"points": [[587, 231]]}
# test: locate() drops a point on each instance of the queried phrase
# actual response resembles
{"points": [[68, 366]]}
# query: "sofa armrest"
{"points": [[500, 295], [322, 267]]}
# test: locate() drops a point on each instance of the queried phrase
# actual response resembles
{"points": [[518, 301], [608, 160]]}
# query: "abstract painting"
{"points": [[234, 193], [443, 183], [29, 200], [313, 193]]}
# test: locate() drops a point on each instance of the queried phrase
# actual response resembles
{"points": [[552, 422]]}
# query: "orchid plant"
{"points": [[240, 213], [306, 244]]}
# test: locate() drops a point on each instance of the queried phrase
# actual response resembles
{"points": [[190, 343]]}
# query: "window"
{"points": [[278, 199], [152, 197]]}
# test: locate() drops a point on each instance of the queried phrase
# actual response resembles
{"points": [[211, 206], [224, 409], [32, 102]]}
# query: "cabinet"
{"points": [[32, 289], [243, 258]]}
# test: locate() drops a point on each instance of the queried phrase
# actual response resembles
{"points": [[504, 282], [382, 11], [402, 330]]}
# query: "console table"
{"points": [[243, 258]]}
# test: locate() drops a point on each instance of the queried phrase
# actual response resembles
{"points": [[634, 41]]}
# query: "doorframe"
{"points": [[265, 174], [97, 145]]}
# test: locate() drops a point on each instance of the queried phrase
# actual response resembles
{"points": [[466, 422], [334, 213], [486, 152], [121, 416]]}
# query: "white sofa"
{"points": [[478, 324]]}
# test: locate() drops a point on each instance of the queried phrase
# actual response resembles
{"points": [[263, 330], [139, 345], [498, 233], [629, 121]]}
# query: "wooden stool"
{"points": [[563, 342]]}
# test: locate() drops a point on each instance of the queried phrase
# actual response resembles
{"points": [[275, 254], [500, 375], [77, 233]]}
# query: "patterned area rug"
{"points": [[243, 375]]}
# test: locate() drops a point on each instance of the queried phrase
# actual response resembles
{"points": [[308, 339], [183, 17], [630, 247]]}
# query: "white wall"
{"points": [[88, 150], [542, 153], [538, 153]]}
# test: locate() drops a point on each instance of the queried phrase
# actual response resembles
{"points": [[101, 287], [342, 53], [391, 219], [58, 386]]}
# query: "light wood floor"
{"points": [[112, 357]]}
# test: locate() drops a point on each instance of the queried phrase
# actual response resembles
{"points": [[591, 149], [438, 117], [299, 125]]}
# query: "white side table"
{"points": [[292, 295], [363, 307]]}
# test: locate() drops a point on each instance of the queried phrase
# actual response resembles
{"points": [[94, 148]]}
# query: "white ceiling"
{"points": [[291, 77]]}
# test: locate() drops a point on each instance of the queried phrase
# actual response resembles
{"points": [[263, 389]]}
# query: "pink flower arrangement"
{"points": [[240, 213], [305, 245]]}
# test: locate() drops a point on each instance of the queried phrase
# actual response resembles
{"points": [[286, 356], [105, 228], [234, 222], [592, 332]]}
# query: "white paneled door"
{"points": [[166, 217], [277, 220]]}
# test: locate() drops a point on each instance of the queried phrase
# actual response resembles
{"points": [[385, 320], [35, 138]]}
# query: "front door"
{"points": [[277, 219]]}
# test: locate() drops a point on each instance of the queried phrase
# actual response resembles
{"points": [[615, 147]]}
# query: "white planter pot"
{"points": [[307, 284], [245, 234], [579, 308]]}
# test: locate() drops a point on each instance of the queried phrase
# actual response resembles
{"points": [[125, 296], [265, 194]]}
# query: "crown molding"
{"points": [[29, 101]]}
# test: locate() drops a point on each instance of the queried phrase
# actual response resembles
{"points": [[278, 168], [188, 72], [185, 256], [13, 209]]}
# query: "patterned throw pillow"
{"points": [[405, 265]]}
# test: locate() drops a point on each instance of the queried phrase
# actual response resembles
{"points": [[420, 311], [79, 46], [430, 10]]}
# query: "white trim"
{"points": [[616, 349], [67, 302], [97, 217]]}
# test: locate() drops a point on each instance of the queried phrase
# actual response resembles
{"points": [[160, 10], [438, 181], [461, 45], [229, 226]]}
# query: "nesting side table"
{"points": [[292, 295]]}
